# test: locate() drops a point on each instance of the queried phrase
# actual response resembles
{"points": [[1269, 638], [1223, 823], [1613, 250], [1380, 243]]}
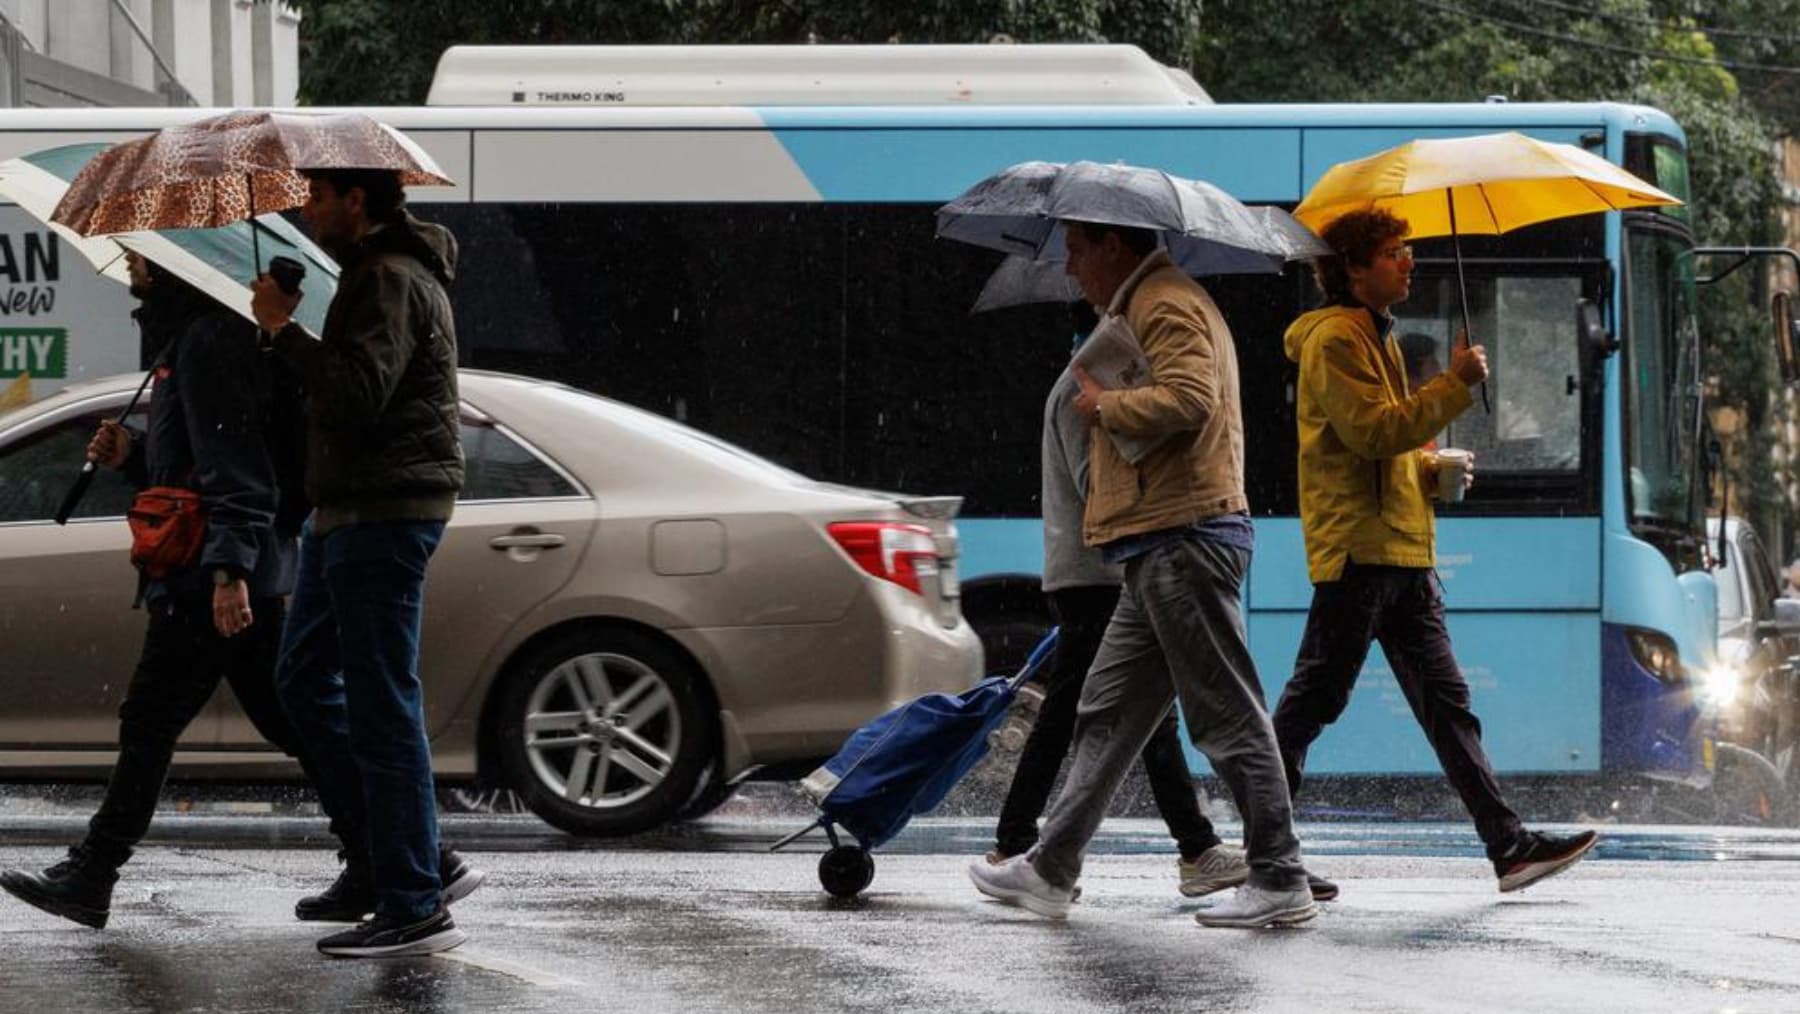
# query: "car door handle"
{"points": [[526, 540]]}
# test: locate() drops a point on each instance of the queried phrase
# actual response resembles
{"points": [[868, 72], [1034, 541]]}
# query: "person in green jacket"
{"points": [[1370, 534]]}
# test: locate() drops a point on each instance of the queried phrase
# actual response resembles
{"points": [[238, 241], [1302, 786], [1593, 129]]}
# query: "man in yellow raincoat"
{"points": [[1369, 528]]}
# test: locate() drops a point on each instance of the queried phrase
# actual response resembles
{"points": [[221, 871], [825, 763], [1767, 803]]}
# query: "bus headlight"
{"points": [[1719, 684], [1656, 652]]}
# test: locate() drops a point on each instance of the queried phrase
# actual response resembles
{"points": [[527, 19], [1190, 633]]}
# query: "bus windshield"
{"points": [[1662, 387]]}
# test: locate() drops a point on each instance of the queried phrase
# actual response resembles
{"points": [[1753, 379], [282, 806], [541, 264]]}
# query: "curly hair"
{"points": [[1355, 237]]}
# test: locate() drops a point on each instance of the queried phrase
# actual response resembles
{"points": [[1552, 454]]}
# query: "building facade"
{"points": [[148, 53]]}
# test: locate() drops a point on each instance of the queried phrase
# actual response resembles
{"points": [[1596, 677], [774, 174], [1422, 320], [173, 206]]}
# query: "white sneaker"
{"points": [[1015, 882], [1253, 907], [1215, 869]]}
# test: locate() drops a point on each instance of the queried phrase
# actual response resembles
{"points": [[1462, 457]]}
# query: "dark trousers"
{"points": [[183, 659], [1400, 607], [349, 680], [1082, 614]]}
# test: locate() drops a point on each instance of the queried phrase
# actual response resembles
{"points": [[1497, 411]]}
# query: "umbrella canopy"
{"points": [[1483, 185], [210, 260], [1206, 230], [229, 167], [1020, 280]]}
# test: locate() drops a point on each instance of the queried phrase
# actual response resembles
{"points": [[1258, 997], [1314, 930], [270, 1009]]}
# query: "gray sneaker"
{"points": [[1253, 907], [1215, 869], [1015, 882]]}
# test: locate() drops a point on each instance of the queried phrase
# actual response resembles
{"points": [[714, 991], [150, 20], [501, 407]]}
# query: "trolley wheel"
{"points": [[845, 870]]}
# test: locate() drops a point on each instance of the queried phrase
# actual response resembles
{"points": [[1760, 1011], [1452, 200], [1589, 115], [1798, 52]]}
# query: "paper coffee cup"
{"points": [[1452, 464]]}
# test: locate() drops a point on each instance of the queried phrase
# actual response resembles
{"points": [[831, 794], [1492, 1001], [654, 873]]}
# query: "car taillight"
{"points": [[901, 553]]}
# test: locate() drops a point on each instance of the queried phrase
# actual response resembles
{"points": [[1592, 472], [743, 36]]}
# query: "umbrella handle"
{"points": [[76, 492], [1462, 288], [72, 498]]}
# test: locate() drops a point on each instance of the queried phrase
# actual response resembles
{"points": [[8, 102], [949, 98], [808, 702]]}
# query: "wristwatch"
{"points": [[222, 577]]}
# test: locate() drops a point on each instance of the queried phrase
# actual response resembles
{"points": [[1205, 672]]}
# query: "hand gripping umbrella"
{"points": [[1483, 185]]}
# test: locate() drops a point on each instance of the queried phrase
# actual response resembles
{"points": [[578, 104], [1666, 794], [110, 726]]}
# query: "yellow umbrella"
{"points": [[1482, 185]]}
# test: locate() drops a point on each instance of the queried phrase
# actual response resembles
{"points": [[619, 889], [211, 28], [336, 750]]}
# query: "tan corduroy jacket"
{"points": [[1197, 472], [1364, 487]]}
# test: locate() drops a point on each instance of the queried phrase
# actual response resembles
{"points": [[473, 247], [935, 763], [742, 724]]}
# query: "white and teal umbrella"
{"points": [[218, 262]]}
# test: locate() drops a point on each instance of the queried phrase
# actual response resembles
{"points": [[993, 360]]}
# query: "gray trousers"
{"points": [[1178, 633]]}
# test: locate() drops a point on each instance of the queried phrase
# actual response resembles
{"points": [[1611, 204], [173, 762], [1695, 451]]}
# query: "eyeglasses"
{"points": [[1397, 252]]}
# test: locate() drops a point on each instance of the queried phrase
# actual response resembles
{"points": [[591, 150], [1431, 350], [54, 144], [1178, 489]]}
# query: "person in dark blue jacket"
{"points": [[225, 421]]}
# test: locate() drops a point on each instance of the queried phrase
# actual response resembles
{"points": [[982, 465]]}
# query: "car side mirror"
{"points": [[1787, 336], [1787, 617], [1591, 332]]}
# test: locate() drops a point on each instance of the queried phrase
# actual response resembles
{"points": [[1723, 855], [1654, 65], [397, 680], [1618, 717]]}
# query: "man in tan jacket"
{"points": [[1176, 519], [1369, 528]]}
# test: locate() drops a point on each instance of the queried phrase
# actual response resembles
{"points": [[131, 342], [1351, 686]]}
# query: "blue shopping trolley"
{"points": [[901, 764]]}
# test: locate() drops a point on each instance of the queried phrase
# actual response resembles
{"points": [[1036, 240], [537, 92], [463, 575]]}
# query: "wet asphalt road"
{"points": [[700, 919]]}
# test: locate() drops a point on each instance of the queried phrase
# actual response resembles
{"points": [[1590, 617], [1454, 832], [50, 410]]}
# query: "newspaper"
{"points": [[1113, 357]]}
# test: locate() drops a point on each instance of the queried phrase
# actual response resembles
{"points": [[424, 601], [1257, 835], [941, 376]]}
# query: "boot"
{"points": [[349, 898], [79, 888]]}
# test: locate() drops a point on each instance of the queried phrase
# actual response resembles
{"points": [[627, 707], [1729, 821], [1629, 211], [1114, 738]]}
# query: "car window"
{"points": [[37, 470], [497, 467]]}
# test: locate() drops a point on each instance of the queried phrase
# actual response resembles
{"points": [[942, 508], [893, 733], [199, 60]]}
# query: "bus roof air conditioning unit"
{"points": [[891, 75]]}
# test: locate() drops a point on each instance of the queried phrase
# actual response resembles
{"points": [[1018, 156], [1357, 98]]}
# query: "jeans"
{"points": [[349, 680], [182, 661], [1400, 607], [1177, 635], [1082, 615]]}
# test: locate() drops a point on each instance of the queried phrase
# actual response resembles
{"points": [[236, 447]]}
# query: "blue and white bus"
{"points": [[751, 251]]}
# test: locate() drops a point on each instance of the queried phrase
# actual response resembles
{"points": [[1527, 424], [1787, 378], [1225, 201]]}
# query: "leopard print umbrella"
{"points": [[225, 168]]}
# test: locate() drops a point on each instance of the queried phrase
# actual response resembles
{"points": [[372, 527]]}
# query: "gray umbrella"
{"points": [[1206, 230], [1020, 280]]}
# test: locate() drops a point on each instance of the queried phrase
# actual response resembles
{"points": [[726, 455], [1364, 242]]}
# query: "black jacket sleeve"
{"points": [[221, 400], [350, 376]]}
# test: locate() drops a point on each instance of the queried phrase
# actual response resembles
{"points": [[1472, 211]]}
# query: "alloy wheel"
{"points": [[602, 730]]}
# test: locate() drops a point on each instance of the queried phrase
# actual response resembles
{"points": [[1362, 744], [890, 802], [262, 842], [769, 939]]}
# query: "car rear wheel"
{"points": [[604, 732]]}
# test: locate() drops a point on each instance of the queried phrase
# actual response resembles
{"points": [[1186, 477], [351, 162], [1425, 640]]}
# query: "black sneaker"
{"points": [[458, 877], [1536, 856], [388, 937], [79, 888], [1322, 889], [351, 898]]}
